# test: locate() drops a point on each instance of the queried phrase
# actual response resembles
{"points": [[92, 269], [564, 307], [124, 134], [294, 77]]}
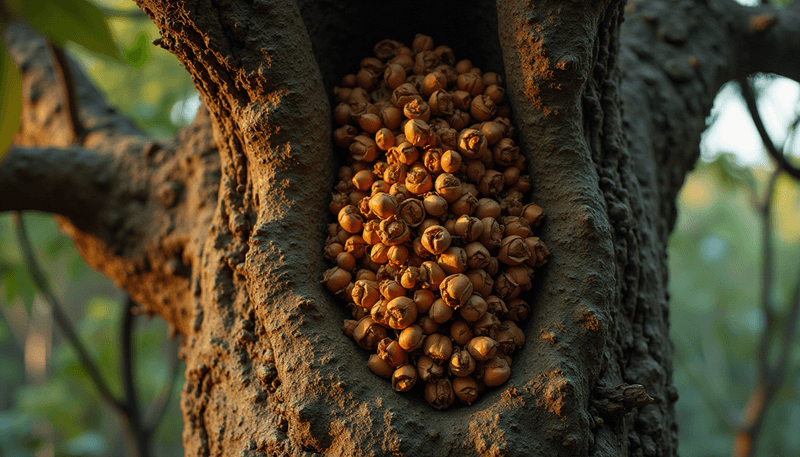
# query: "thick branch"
{"points": [[765, 39]]}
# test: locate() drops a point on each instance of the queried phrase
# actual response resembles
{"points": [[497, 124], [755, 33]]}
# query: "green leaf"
{"points": [[78, 21], [11, 99], [139, 53]]}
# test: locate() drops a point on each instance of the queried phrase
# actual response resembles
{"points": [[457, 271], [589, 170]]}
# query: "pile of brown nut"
{"points": [[433, 244]]}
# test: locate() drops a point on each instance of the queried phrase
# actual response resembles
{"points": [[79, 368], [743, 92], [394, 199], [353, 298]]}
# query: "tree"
{"points": [[219, 230]]}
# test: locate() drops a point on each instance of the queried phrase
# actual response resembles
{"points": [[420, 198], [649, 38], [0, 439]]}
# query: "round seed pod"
{"points": [[513, 251], [418, 181], [439, 312], [379, 253], [473, 309], [402, 312], [391, 352], [393, 232], [448, 186], [395, 174], [461, 332], [496, 305], [424, 299], [391, 117], [346, 260], [364, 148], [522, 274], [368, 333], [394, 76], [505, 152], [491, 183], [432, 159], [336, 279], [432, 82], [482, 348], [518, 310], [436, 239], [455, 290], [468, 228], [427, 369], [435, 205], [438, 347], [411, 338], [539, 252], [466, 204], [403, 94], [411, 211], [383, 205], [404, 60], [496, 372], [333, 250], [472, 144], [441, 103], [477, 255], [488, 207], [509, 337], [451, 161], [344, 135], [506, 287], [349, 326], [453, 260], [417, 109], [533, 213], [370, 234], [482, 108], [482, 282], [365, 293], [465, 389], [429, 326], [409, 277], [370, 123], [461, 363], [379, 366], [487, 325], [350, 219], [379, 314], [397, 254], [418, 132], [384, 139], [515, 225], [472, 83], [439, 393], [391, 289], [404, 378]]}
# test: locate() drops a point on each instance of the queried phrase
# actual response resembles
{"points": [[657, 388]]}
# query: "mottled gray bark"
{"points": [[228, 249]]}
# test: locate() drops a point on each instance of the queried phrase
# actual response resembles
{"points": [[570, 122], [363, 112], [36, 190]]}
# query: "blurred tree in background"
{"points": [[48, 406]]}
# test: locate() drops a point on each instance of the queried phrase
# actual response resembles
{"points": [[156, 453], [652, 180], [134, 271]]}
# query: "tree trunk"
{"points": [[223, 237]]}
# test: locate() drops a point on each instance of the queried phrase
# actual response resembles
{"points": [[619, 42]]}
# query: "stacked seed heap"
{"points": [[433, 244]]}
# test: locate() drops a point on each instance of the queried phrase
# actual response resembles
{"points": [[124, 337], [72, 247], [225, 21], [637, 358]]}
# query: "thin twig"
{"points": [[126, 361], [789, 332], [70, 99], [60, 316], [779, 157], [765, 211]]}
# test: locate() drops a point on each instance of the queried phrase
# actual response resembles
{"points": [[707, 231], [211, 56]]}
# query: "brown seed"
{"points": [[350, 219], [391, 117], [493, 131], [417, 109], [344, 135], [496, 306], [411, 338], [482, 108], [458, 120], [473, 309], [448, 186], [472, 144], [516, 225], [494, 92], [506, 287], [356, 245], [425, 62], [482, 348], [427, 369], [451, 161], [422, 43], [439, 393], [370, 122], [394, 75], [391, 289], [487, 207], [402, 312], [433, 82], [435, 205], [461, 363], [438, 347], [368, 333], [386, 48], [397, 254], [432, 159], [453, 260], [465, 389], [367, 79], [492, 234], [455, 290], [336, 279], [513, 251], [539, 252], [404, 378], [390, 351], [509, 337], [471, 82], [418, 181], [463, 66], [468, 228], [496, 372], [333, 250], [403, 94], [487, 325], [404, 60], [439, 312], [342, 114], [424, 299], [349, 326], [466, 204], [441, 103], [379, 366], [363, 148], [379, 253], [411, 211], [394, 174], [461, 332], [365, 293], [346, 261], [436, 239], [533, 213], [393, 231], [505, 152], [418, 132], [383, 205], [491, 183]]}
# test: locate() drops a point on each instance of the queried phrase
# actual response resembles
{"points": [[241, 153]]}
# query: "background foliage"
{"points": [[714, 262]]}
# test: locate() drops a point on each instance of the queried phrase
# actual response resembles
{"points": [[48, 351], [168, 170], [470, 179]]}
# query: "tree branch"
{"points": [[765, 39], [68, 97], [61, 318], [777, 155]]}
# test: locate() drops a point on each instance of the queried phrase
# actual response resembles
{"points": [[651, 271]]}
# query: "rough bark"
{"points": [[226, 246]]}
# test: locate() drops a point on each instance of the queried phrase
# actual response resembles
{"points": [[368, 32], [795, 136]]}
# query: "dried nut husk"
{"points": [[438, 347], [533, 213], [439, 312], [370, 234], [453, 260], [350, 219], [436, 239], [462, 100], [473, 309], [469, 228], [390, 289], [418, 181], [391, 352], [493, 131], [347, 261], [403, 94], [451, 161], [482, 348], [404, 378], [515, 225], [349, 327], [513, 251], [509, 337], [492, 234], [461, 332], [333, 250], [379, 253], [378, 313], [455, 290], [448, 186], [398, 254], [496, 306], [364, 148], [506, 287], [342, 114], [482, 108], [379, 366], [427, 369], [435, 205], [402, 312], [394, 76], [465, 389], [399, 191], [432, 159], [393, 231], [428, 325], [487, 325], [482, 282], [383, 205], [391, 117], [417, 109], [466, 204], [379, 186], [368, 333], [461, 363], [411, 211], [433, 82], [404, 59], [441, 103], [356, 245], [505, 152], [539, 252], [431, 275], [365, 293], [472, 83], [492, 182], [370, 123], [477, 255], [522, 274], [439, 393], [496, 372], [424, 299], [488, 207], [472, 144], [518, 310], [384, 139], [418, 132], [336, 279], [344, 136], [411, 338], [409, 278]]}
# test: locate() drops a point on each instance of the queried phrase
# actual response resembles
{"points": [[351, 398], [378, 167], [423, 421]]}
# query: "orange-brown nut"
{"points": [[439, 393], [465, 389], [368, 333], [427, 369], [383, 205], [365, 293], [472, 144], [468, 228], [456, 290], [482, 348], [513, 251], [404, 378], [461, 363], [336, 279], [411, 338], [402, 312], [393, 231], [378, 366], [411, 211], [424, 299], [440, 312], [496, 372], [436, 239], [391, 352], [461, 332], [448, 186], [438, 347], [473, 309], [418, 181], [453, 260], [350, 219]]}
